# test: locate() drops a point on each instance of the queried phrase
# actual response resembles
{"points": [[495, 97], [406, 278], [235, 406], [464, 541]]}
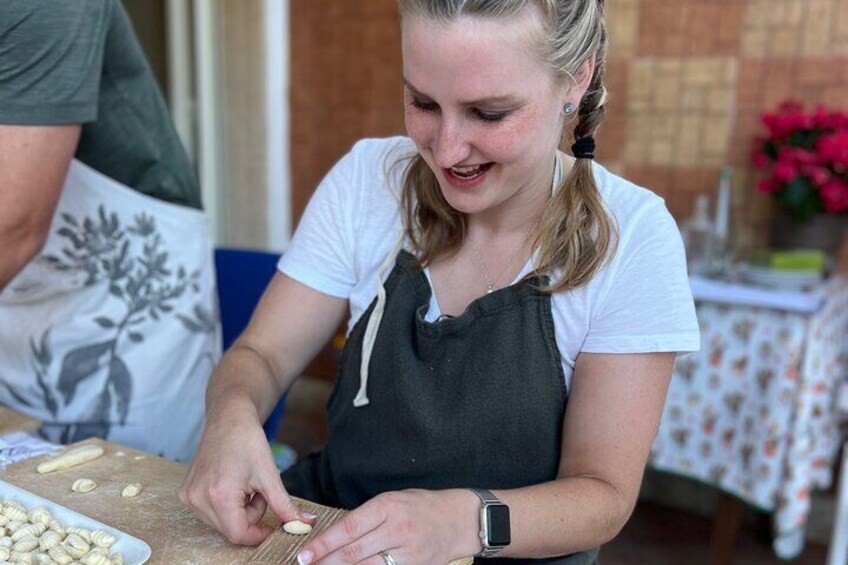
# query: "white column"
{"points": [[208, 115], [279, 220], [180, 97]]}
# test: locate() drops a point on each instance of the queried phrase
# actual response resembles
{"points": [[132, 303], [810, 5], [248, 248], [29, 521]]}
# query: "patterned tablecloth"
{"points": [[756, 411]]}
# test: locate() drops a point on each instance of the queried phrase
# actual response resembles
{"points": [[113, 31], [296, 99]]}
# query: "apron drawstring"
{"points": [[361, 398], [370, 336]]}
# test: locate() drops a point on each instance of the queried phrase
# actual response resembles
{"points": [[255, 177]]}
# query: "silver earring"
{"points": [[568, 108]]}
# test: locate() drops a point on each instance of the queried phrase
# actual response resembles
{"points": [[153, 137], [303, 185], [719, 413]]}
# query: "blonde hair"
{"points": [[576, 234]]}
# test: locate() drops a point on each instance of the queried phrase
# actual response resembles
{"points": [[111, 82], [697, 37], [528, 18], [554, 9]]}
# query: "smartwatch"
{"points": [[494, 523]]}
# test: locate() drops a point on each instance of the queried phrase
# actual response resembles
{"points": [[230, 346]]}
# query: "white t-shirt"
{"points": [[639, 302]]}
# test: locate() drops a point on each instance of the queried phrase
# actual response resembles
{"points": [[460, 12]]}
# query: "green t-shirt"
{"points": [[79, 62]]}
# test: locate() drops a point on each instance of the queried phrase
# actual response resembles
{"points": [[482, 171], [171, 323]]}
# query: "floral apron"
{"points": [[112, 330]]}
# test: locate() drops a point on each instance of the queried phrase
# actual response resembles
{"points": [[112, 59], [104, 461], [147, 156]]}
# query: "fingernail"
{"points": [[304, 557], [309, 516]]}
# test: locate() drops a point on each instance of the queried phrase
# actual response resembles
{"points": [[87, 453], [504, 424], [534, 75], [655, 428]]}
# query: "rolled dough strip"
{"points": [[71, 458]]}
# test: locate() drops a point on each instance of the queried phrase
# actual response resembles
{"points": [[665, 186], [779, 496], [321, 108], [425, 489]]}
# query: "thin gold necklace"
{"points": [[491, 284]]}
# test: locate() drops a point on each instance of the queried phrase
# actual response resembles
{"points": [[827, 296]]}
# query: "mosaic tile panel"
{"points": [[680, 111], [690, 27], [623, 26], [795, 28]]}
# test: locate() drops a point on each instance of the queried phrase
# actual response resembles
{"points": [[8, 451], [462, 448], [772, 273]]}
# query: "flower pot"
{"points": [[822, 231]]}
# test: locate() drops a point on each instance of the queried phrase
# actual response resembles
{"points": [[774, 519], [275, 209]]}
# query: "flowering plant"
{"points": [[805, 159]]}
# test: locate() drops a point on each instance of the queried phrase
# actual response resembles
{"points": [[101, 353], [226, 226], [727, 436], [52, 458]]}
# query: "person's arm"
{"points": [[233, 479], [614, 410], [33, 163]]}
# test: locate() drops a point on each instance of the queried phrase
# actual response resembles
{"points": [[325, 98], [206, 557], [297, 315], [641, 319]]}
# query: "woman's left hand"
{"points": [[413, 526]]}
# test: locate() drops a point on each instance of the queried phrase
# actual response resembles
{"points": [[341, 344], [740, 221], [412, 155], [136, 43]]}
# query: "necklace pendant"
{"points": [[490, 289]]}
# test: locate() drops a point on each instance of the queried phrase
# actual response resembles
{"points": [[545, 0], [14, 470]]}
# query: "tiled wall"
{"points": [[688, 80]]}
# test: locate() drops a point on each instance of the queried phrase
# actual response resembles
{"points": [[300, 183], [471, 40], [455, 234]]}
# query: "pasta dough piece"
{"points": [[21, 557], [81, 532], [76, 546], [102, 538], [25, 545], [60, 555], [131, 490], [27, 530], [96, 556], [31, 542], [71, 458], [15, 514], [42, 559], [13, 526], [56, 526], [40, 515], [297, 527], [83, 485], [49, 540]]}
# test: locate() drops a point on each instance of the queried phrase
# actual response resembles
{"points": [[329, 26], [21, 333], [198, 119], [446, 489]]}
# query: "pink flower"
{"points": [[761, 161], [833, 148], [834, 195], [806, 147], [768, 185], [819, 175], [785, 171], [800, 156]]}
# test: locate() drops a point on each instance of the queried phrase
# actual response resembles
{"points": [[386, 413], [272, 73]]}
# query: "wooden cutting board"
{"points": [[11, 421], [156, 516], [175, 534], [282, 547]]}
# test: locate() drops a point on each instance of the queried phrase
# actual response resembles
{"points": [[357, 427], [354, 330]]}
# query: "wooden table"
{"points": [[156, 516], [11, 421], [175, 534]]}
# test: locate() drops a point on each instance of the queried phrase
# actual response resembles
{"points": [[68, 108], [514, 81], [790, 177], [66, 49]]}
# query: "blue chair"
{"points": [[242, 277]]}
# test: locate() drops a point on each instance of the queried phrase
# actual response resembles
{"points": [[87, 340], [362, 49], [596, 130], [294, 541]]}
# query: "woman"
{"points": [[524, 278]]}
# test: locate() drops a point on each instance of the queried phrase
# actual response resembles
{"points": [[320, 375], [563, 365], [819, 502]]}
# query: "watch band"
{"points": [[487, 499], [486, 496]]}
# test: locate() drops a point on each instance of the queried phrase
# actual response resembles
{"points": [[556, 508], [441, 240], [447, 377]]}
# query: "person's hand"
{"points": [[413, 526], [233, 480]]}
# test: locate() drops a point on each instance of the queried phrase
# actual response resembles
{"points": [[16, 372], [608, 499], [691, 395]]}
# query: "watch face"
{"points": [[498, 519]]}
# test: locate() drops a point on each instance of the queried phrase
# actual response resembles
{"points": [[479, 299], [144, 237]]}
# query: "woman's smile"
{"points": [[467, 177]]}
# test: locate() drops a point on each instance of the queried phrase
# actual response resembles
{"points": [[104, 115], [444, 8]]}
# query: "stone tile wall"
{"points": [[688, 80]]}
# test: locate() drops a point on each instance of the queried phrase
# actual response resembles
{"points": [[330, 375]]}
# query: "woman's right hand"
{"points": [[233, 480]]}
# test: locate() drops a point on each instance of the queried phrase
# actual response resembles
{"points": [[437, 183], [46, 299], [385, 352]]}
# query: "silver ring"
{"points": [[387, 558]]}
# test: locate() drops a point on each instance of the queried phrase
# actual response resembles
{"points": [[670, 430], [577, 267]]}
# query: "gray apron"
{"points": [[472, 401]]}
